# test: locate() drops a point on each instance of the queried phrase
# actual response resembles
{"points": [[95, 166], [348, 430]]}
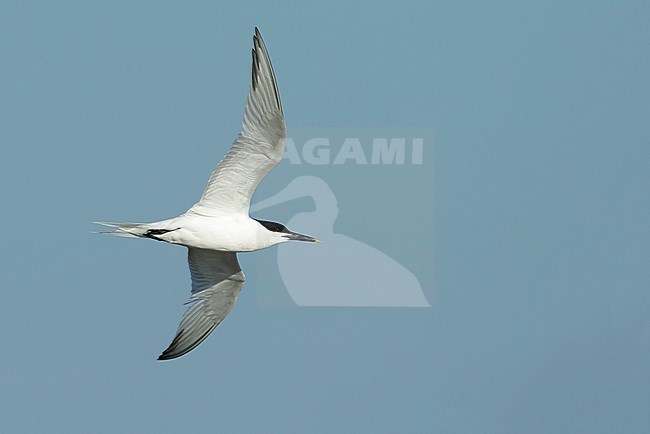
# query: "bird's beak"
{"points": [[293, 236]]}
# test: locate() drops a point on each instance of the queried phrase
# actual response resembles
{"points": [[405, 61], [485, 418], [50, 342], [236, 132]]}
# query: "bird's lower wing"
{"points": [[217, 280]]}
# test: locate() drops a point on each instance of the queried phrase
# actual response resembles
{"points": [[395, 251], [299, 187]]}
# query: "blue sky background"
{"points": [[539, 214]]}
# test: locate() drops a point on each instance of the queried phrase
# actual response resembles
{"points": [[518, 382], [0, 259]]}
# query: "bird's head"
{"points": [[281, 234]]}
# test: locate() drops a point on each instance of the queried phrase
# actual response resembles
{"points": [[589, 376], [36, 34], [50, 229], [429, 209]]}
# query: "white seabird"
{"points": [[219, 226]]}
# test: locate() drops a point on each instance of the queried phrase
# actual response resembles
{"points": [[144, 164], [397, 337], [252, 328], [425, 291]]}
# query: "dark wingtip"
{"points": [[172, 351], [166, 355], [257, 37], [253, 69], [169, 352], [258, 43]]}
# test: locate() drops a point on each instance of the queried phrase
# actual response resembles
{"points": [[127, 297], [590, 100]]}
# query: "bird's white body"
{"points": [[218, 226], [225, 232]]}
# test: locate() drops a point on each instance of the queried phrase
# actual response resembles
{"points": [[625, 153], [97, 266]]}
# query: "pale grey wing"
{"points": [[257, 150], [217, 280]]}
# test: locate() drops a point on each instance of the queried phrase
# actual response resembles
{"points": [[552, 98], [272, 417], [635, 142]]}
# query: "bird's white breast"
{"points": [[229, 233]]}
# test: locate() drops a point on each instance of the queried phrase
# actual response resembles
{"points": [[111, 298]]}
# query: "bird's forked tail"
{"points": [[130, 230]]}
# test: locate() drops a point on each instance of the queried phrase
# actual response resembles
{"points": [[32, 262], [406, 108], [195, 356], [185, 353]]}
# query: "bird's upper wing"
{"points": [[257, 150], [217, 280]]}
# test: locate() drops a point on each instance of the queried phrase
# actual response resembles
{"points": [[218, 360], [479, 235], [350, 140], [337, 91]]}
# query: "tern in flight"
{"points": [[219, 226]]}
